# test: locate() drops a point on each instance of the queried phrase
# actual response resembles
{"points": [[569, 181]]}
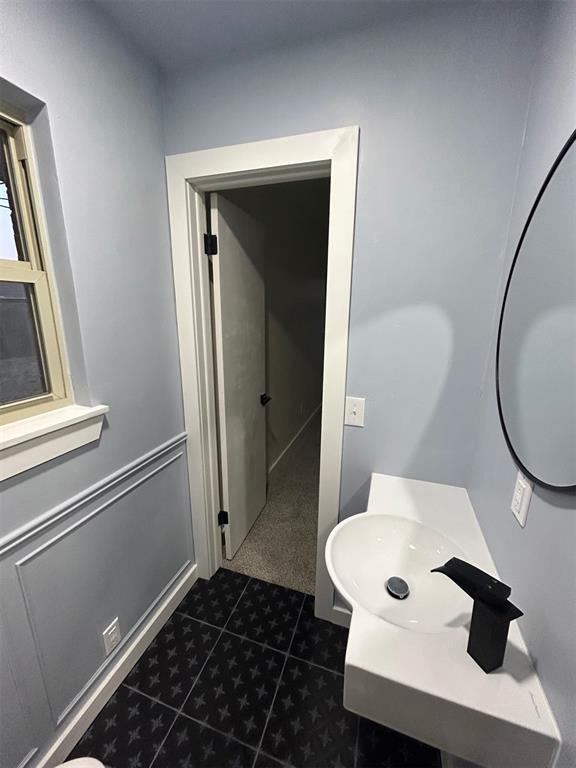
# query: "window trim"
{"points": [[38, 272]]}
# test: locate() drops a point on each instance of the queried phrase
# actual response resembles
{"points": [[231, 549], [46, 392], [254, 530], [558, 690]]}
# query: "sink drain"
{"points": [[397, 587]]}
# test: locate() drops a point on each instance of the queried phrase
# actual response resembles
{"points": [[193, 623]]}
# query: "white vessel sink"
{"points": [[406, 661], [364, 551]]}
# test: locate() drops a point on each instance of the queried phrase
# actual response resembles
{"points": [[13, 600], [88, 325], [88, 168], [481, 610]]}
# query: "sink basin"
{"points": [[364, 551]]}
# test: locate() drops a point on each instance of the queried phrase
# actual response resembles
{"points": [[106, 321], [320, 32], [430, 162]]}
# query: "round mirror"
{"points": [[536, 353]]}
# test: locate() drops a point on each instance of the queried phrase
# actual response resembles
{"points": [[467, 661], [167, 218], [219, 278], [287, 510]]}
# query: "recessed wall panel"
{"points": [[115, 560]]}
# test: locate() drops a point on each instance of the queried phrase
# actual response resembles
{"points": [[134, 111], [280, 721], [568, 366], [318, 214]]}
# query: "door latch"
{"points": [[264, 399]]}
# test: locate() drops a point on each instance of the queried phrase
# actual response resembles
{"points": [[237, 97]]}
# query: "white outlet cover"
{"points": [[521, 498], [354, 415], [112, 636]]}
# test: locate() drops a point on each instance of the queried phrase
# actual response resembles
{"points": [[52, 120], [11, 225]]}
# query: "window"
{"points": [[33, 377]]}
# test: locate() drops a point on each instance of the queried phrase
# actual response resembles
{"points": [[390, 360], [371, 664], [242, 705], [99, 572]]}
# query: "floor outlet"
{"points": [[521, 499], [112, 636]]}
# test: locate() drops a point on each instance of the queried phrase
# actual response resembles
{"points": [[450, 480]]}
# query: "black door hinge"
{"points": [[222, 518], [210, 245]]}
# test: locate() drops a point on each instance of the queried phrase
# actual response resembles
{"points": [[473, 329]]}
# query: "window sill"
{"points": [[29, 442]]}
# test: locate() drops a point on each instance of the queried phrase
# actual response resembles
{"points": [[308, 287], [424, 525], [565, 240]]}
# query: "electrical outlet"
{"points": [[112, 636], [354, 416], [521, 499]]}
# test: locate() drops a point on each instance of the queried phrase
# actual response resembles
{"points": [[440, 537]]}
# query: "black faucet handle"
{"points": [[475, 582]]}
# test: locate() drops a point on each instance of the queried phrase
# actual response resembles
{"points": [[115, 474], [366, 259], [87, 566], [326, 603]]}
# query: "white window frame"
{"points": [[331, 153], [37, 272], [37, 429]]}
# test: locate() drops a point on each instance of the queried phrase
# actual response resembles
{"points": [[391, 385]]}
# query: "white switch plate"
{"points": [[112, 636], [521, 498], [354, 416]]}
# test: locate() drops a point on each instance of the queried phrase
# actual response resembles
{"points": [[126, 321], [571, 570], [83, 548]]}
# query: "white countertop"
{"points": [[427, 685]]}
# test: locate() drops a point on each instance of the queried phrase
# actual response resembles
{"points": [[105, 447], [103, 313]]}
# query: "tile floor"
{"points": [[243, 675]]}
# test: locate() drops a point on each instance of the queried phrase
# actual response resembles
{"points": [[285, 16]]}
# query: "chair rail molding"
{"points": [[19, 536]]}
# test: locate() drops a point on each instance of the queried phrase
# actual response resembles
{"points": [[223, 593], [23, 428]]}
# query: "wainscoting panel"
{"points": [[111, 559], [17, 739]]}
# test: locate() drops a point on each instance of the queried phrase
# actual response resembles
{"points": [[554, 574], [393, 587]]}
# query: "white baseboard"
{"points": [[296, 436], [66, 737]]}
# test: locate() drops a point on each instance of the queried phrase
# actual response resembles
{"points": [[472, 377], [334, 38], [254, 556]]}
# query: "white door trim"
{"points": [[331, 153]]}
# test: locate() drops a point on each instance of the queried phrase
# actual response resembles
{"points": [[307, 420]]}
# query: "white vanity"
{"points": [[406, 660]]}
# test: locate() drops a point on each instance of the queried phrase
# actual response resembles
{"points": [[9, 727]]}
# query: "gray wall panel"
{"points": [[102, 170], [439, 90], [103, 105], [18, 740], [84, 569], [542, 554]]}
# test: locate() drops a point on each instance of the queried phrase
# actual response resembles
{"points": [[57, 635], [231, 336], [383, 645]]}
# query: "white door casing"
{"points": [[332, 153], [239, 343]]}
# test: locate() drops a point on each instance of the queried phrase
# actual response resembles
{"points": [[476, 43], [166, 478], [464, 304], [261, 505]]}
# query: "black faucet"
{"points": [[491, 614]]}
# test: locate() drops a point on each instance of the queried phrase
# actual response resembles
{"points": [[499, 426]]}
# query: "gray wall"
{"points": [[539, 561], [439, 92], [115, 553]]}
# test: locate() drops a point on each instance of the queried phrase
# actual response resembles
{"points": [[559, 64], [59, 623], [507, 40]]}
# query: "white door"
{"points": [[239, 330]]}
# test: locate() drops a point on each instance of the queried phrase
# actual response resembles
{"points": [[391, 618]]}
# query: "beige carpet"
{"points": [[281, 546]]}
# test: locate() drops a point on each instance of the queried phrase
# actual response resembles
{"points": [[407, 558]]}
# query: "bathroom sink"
{"points": [[407, 665], [365, 551]]}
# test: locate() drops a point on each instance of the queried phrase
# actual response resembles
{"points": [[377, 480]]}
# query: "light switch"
{"points": [[354, 416], [521, 498]]}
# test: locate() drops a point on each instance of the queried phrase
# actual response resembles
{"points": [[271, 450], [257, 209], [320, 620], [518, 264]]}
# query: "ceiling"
{"points": [[179, 34]]}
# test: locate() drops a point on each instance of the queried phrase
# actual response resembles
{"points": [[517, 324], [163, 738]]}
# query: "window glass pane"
{"points": [[10, 241], [21, 368]]}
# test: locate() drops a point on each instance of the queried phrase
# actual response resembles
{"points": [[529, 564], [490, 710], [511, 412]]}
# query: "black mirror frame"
{"points": [[525, 470]]}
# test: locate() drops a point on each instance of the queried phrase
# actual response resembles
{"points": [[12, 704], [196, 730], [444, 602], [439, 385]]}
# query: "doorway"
{"points": [[329, 154], [269, 247]]}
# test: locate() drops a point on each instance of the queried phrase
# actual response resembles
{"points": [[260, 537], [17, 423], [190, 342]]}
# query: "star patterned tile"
{"points": [[172, 661], [380, 747], [213, 601], [319, 641], [267, 613], [194, 745], [263, 692], [128, 731], [236, 687], [308, 726]]}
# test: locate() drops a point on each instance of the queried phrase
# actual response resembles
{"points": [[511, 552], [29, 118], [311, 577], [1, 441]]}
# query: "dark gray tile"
{"points": [[127, 732], [267, 613], [380, 747], [229, 703], [169, 667], [308, 726], [213, 600], [235, 690], [193, 745], [319, 641]]}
